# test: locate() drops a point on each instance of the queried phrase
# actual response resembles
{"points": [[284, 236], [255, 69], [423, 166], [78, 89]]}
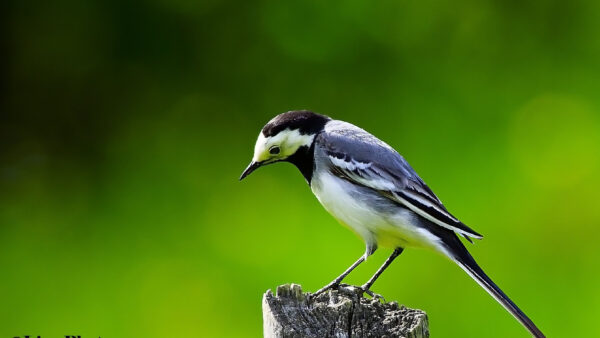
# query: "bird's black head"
{"points": [[288, 137]]}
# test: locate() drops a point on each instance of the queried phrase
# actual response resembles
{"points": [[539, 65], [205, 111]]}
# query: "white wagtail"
{"points": [[370, 188]]}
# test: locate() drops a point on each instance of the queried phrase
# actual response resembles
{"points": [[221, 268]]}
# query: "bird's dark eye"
{"points": [[274, 150]]}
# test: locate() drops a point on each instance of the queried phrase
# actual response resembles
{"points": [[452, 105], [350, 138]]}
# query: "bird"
{"points": [[371, 189]]}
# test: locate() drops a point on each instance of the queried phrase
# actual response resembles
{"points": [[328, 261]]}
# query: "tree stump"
{"points": [[337, 313]]}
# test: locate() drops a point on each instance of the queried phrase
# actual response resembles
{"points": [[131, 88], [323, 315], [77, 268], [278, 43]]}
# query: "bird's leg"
{"points": [[336, 282], [367, 286]]}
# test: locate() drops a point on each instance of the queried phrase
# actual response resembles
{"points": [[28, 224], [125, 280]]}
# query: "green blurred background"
{"points": [[125, 125]]}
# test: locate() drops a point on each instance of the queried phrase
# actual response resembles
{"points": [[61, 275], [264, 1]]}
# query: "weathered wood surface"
{"points": [[337, 313]]}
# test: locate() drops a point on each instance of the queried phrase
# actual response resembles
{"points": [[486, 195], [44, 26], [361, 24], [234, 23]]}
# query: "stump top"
{"points": [[337, 313]]}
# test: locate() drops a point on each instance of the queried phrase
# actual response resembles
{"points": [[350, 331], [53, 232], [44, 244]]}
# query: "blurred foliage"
{"points": [[125, 125]]}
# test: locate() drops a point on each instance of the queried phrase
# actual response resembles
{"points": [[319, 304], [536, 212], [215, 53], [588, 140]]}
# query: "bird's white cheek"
{"points": [[296, 140]]}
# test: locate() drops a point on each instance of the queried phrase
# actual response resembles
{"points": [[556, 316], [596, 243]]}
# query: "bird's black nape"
{"points": [[306, 122]]}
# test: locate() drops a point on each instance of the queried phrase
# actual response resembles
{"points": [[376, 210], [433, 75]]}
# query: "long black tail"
{"points": [[467, 263]]}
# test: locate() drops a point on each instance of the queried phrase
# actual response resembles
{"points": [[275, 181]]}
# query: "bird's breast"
{"points": [[343, 201], [372, 216]]}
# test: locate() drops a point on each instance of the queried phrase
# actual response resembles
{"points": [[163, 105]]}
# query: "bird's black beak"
{"points": [[251, 167]]}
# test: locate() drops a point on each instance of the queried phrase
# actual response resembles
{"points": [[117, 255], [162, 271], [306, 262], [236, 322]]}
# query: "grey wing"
{"points": [[360, 157]]}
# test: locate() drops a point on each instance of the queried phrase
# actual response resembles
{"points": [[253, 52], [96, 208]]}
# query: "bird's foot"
{"points": [[348, 289], [365, 289], [334, 285]]}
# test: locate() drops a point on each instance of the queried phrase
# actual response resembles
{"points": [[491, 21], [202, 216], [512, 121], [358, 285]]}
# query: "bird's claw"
{"points": [[335, 285], [373, 295], [348, 289]]}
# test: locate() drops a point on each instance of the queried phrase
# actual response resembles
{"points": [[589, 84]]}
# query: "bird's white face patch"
{"points": [[287, 140]]}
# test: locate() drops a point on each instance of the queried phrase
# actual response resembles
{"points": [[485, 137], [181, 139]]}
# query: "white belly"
{"points": [[335, 197], [393, 228]]}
